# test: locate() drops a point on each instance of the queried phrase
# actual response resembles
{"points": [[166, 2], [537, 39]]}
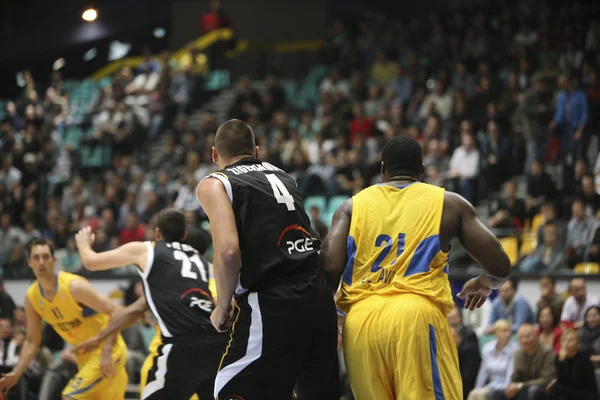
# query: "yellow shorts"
{"points": [[400, 347], [148, 364], [89, 384]]}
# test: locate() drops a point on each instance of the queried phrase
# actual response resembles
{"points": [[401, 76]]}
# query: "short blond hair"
{"points": [[501, 324]]}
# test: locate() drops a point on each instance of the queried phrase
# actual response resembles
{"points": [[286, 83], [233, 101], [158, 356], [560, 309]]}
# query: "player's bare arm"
{"points": [[134, 253], [29, 350], [460, 220], [334, 250], [121, 320], [227, 257], [83, 293]]}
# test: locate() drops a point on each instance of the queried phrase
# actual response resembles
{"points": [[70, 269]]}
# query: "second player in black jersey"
{"points": [[266, 254], [176, 289]]}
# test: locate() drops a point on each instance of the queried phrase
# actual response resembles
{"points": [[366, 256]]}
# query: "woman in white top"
{"points": [[497, 363]]}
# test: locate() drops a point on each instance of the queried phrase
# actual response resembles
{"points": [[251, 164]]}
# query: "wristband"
{"points": [[493, 281]]}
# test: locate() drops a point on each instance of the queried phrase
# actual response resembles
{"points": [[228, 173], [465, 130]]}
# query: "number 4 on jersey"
{"points": [[280, 192]]}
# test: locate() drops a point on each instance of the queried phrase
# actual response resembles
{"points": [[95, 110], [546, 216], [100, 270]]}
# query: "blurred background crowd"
{"points": [[505, 101]]}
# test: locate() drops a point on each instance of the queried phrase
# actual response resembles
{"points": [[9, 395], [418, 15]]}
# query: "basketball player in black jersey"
{"points": [[266, 254], [176, 289]]}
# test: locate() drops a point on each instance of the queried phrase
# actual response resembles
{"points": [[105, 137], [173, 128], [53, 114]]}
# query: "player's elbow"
{"points": [[230, 254]]}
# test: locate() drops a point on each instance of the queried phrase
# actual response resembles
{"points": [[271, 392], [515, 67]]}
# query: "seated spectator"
{"points": [[590, 335], [134, 231], [455, 319], [441, 98], [579, 233], [549, 215], [68, 258], [497, 363], [533, 368], [383, 70], [509, 211], [511, 307], [540, 188], [469, 360], [549, 331], [590, 198], [7, 304], [549, 297], [464, 166], [549, 256], [575, 307], [593, 252], [496, 157], [317, 224], [575, 378]]}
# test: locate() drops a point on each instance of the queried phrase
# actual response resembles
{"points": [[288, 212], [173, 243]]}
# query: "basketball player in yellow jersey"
{"points": [[77, 312], [389, 244]]}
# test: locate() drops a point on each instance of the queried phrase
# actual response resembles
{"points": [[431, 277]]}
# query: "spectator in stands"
{"points": [[497, 363], [511, 307], [360, 124], [469, 360], [527, 116], [579, 233], [549, 256], [134, 231], [214, 18], [383, 70], [590, 335], [549, 331], [247, 100], [576, 305], [549, 216], [549, 297], [7, 304], [571, 115], [593, 253], [455, 319], [317, 224], [575, 378], [540, 188], [590, 198], [441, 99], [533, 368], [464, 166], [8, 236], [400, 89], [496, 157], [20, 318], [509, 211]]}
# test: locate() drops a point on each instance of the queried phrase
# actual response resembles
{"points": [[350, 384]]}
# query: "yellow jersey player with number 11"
{"points": [[77, 312], [389, 244]]}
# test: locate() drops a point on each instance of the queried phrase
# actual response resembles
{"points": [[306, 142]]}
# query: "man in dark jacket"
{"points": [[469, 360]]}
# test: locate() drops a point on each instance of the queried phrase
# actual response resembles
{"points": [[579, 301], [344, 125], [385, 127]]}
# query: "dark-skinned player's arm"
{"points": [[29, 350], [84, 293], [227, 256], [134, 253], [484, 248], [334, 253], [123, 319]]}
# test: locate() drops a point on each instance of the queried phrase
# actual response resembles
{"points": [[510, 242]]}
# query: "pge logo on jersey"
{"points": [[198, 298], [296, 239]]}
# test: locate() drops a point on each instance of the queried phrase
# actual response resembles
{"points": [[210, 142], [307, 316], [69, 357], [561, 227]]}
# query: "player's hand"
{"points": [[221, 319], [474, 293], [87, 346], [84, 237], [7, 381], [107, 367]]}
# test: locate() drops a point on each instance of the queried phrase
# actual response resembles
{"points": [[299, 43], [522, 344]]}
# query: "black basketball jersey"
{"points": [[176, 289], [275, 235]]}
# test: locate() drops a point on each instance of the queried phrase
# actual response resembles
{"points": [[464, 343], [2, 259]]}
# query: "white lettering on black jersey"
{"points": [[176, 289], [275, 236]]}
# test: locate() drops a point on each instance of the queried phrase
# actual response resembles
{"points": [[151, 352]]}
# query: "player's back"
{"points": [[394, 247], [72, 321], [176, 289], [275, 236]]}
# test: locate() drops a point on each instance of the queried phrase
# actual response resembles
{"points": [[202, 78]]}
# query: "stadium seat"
{"points": [[335, 202], [510, 245], [536, 222], [528, 243], [315, 201], [587, 268]]}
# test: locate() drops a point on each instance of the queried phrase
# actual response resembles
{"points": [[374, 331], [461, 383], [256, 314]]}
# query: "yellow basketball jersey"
{"points": [[394, 247], [72, 321]]}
